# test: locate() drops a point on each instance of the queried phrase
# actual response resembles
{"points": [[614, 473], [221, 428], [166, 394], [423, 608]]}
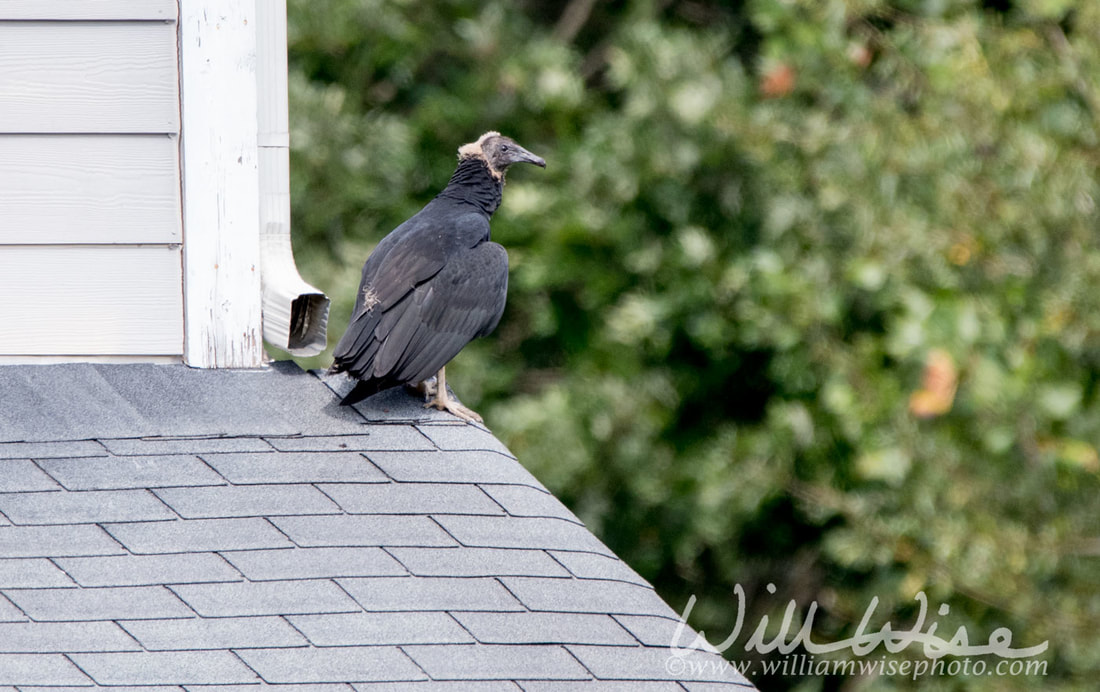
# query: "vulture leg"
{"points": [[425, 389], [444, 402]]}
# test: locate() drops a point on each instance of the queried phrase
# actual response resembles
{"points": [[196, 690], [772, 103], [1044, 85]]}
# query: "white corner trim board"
{"points": [[218, 144]]}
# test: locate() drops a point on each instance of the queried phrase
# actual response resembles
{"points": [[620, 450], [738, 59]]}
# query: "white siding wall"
{"points": [[90, 261]]}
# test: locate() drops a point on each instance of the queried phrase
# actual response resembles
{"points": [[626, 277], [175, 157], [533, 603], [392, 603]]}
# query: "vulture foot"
{"points": [[446, 403], [438, 397]]}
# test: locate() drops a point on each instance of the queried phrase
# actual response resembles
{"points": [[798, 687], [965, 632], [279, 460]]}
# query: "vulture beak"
{"points": [[521, 155]]}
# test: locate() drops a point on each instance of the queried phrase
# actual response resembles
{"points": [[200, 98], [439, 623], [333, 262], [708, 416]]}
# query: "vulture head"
{"points": [[498, 152]]}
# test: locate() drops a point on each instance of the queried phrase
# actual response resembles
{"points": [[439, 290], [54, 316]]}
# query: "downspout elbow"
{"points": [[295, 314]]}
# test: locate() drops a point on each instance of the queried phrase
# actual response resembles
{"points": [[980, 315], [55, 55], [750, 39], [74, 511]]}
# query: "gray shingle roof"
{"points": [[165, 527]]}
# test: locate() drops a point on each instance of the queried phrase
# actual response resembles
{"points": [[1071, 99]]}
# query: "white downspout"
{"points": [[295, 314]]}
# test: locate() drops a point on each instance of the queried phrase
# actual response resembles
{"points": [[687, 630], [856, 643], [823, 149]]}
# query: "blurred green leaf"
{"points": [[757, 221]]}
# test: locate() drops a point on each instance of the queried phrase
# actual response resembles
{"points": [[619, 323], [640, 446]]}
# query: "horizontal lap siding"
{"points": [[89, 189], [65, 77], [164, 10], [90, 221], [90, 300]]}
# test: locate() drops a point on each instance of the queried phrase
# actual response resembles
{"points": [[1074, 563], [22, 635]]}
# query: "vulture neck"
{"points": [[474, 183]]}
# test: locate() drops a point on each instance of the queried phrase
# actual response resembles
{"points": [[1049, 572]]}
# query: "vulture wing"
{"points": [[439, 317], [425, 293]]}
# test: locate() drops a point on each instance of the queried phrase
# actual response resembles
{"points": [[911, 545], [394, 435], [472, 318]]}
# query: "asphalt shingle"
{"points": [[357, 531], [231, 531], [39, 669], [586, 596], [83, 508], [430, 593], [296, 467], [411, 498], [658, 631], [394, 628], [460, 437], [31, 573], [165, 668], [113, 688], [594, 566], [214, 633], [544, 628], [183, 445], [70, 401], [654, 663], [440, 686], [314, 563], [56, 541], [51, 450], [521, 532], [601, 686], [266, 598], [260, 687], [393, 406], [118, 473], [372, 438], [452, 467], [110, 603], [82, 401], [9, 613], [64, 637], [477, 562], [198, 535], [525, 501], [244, 501], [342, 664], [22, 475], [496, 662], [147, 570]]}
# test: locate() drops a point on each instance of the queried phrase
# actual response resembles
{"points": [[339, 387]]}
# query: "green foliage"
{"points": [[806, 295]]}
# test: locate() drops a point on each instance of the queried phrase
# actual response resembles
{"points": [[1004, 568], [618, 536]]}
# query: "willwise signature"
{"points": [[862, 642]]}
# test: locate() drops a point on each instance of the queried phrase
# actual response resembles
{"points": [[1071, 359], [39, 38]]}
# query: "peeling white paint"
{"points": [[220, 184]]}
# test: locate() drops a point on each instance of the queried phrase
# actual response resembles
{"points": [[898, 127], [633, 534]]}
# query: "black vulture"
{"points": [[434, 284]]}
